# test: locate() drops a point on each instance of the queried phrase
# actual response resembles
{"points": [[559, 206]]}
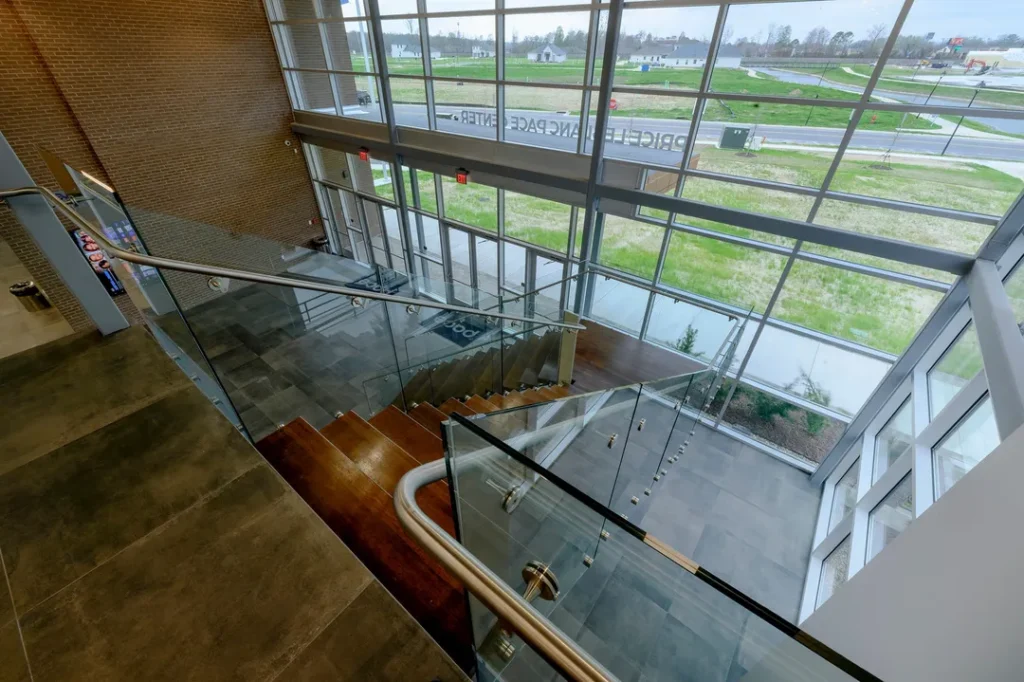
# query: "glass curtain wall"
{"points": [[830, 113], [933, 430]]}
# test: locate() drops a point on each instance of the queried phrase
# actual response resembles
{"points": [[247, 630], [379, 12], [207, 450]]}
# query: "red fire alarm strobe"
{"points": [[462, 176], [364, 154]]}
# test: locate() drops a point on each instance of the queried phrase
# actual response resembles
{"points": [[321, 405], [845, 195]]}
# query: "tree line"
{"points": [[777, 41]]}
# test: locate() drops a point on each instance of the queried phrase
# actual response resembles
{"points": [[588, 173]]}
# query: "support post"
{"points": [[1002, 347], [46, 230]]}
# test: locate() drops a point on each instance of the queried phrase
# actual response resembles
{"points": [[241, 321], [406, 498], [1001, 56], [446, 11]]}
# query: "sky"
{"points": [[947, 18]]}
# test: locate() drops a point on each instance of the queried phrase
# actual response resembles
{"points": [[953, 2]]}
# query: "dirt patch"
{"points": [[791, 432]]}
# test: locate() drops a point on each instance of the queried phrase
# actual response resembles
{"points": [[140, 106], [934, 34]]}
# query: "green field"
{"points": [[631, 104], [894, 79], [876, 312]]}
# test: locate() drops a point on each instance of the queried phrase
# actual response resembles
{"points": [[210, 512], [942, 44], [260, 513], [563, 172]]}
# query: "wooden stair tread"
{"points": [[385, 463], [408, 434], [452, 405], [560, 390], [548, 393], [515, 399], [362, 515], [497, 399], [479, 405], [531, 396], [429, 417]]}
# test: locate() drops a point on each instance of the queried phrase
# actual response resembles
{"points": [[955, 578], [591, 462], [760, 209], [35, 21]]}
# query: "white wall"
{"points": [[945, 601]]}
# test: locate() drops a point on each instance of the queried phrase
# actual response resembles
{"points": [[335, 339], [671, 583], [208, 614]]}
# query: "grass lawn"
{"points": [[861, 308], [425, 185], [896, 79], [634, 105]]}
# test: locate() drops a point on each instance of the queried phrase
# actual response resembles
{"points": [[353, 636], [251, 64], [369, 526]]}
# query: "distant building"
{"points": [[687, 54], [411, 52], [481, 52], [1004, 59], [550, 53]]}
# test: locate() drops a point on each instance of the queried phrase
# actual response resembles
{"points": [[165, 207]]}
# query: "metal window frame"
{"points": [[587, 228]]}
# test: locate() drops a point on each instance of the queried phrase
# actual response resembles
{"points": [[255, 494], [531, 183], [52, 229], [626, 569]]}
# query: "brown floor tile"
{"points": [[44, 409], [230, 590], [66, 512], [6, 607], [373, 639], [12, 657]]}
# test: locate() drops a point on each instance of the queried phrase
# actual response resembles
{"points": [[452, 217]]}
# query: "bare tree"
{"points": [[726, 35], [814, 43], [770, 40], [877, 31]]}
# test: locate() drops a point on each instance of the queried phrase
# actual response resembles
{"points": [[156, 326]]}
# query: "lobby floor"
{"points": [[143, 537], [19, 328]]}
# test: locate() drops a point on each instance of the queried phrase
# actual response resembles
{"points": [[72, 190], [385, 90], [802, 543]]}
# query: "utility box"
{"points": [[644, 68], [734, 137]]}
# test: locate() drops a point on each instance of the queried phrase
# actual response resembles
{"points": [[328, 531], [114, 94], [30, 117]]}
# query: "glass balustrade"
{"points": [[282, 352], [639, 608]]}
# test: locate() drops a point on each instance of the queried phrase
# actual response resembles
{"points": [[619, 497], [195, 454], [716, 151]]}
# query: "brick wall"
{"points": [[185, 110], [33, 114]]}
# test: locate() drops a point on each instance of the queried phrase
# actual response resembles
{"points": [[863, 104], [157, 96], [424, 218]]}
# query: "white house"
{"points": [[481, 52], [411, 52], [550, 53], [693, 55]]}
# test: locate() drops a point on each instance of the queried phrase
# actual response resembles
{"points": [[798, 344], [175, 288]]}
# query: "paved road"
{"points": [[660, 140], [1004, 124]]}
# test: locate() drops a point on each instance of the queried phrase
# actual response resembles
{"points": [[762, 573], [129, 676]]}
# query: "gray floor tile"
{"points": [[624, 618], [747, 522], [372, 639], [674, 525], [232, 358], [620, 662], [580, 598], [722, 553], [66, 512], [229, 590], [773, 586], [256, 423], [707, 461], [284, 406], [690, 655]]}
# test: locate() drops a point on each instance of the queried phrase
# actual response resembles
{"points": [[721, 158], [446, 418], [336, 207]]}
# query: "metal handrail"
{"points": [[277, 280], [550, 642]]}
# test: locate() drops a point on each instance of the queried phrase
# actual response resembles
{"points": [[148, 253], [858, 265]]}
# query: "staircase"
{"points": [[349, 469], [529, 360]]}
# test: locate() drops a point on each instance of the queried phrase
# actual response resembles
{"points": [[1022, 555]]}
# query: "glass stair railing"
{"points": [[278, 350], [506, 356], [549, 497], [544, 500]]}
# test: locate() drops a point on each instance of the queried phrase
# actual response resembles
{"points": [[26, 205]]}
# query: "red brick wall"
{"points": [[184, 106]]}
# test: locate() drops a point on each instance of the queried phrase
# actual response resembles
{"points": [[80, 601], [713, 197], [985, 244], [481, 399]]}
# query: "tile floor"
{"points": [[19, 328], [745, 516], [282, 353], [151, 541]]}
